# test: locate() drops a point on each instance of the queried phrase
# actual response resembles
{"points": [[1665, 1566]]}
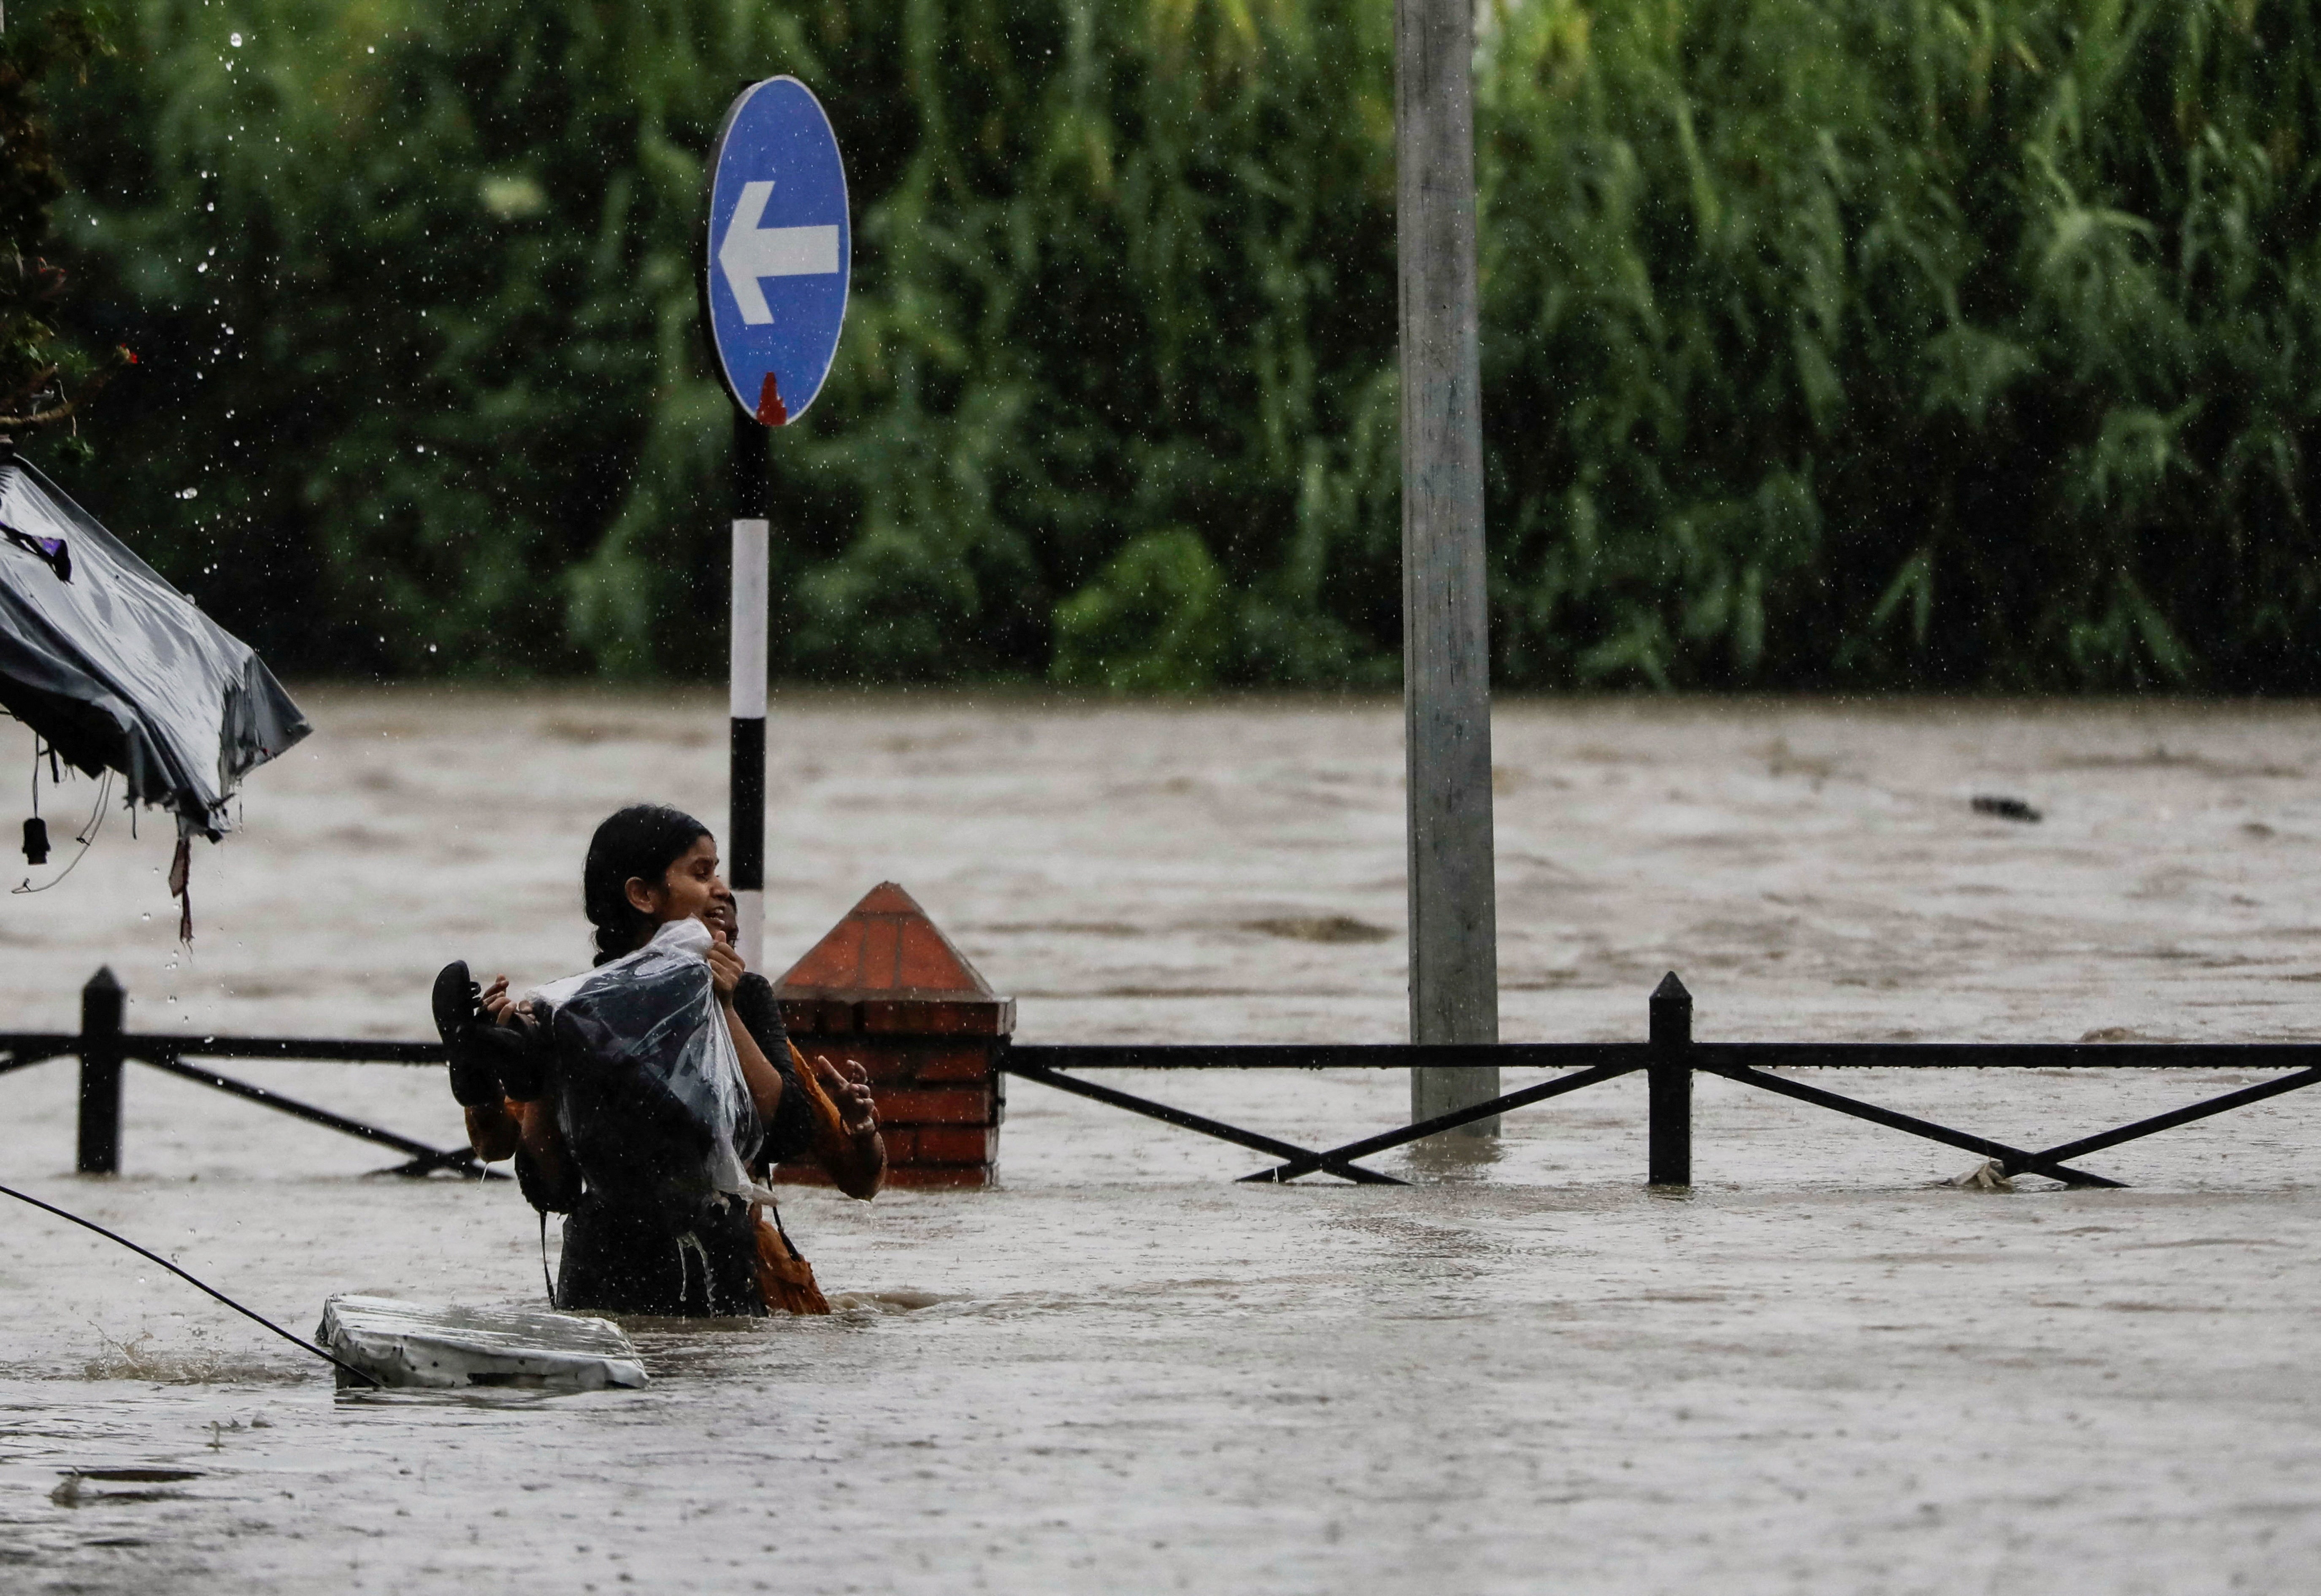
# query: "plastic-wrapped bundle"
{"points": [[650, 1094]]}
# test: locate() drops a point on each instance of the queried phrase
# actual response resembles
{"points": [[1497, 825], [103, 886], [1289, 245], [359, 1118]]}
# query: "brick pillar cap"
{"points": [[887, 948]]}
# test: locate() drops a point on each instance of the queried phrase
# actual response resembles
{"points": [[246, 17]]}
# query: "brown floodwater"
{"points": [[1121, 1371]]}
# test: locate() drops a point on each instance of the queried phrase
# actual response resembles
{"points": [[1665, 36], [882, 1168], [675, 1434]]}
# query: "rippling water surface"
{"points": [[1122, 1372]]}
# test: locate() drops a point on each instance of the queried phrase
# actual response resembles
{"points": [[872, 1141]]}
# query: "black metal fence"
{"points": [[1668, 1057], [102, 1046]]}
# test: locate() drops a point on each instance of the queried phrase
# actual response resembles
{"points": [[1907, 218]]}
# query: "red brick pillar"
{"points": [[888, 989]]}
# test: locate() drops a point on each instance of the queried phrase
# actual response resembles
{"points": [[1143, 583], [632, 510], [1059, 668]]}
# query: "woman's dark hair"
{"points": [[642, 840]]}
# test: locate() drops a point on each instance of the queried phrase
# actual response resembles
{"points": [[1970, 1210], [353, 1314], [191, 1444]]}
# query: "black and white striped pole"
{"points": [[745, 828], [778, 255]]}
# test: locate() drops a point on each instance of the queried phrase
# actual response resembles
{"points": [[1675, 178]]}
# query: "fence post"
{"points": [[101, 1004], [1669, 1157]]}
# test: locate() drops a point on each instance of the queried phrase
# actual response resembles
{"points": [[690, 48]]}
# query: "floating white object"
{"points": [[1990, 1175], [413, 1344]]}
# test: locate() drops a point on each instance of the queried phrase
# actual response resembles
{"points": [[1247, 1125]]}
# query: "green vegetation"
{"points": [[1898, 341], [45, 376], [1156, 619], [1826, 342]]}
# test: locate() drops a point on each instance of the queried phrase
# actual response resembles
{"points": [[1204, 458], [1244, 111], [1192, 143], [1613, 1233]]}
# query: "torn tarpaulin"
{"points": [[113, 666]]}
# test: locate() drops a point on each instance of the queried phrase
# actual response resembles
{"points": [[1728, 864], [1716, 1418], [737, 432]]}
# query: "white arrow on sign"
{"points": [[750, 251]]}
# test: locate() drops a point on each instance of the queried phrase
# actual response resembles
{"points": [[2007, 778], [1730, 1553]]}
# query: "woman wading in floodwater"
{"points": [[637, 1237]]}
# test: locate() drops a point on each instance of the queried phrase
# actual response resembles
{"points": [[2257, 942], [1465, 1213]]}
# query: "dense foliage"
{"points": [[1907, 341], [1825, 341], [45, 375]]}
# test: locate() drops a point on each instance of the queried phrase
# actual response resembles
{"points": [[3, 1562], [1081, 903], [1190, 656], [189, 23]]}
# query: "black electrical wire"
{"points": [[86, 838], [365, 1376]]}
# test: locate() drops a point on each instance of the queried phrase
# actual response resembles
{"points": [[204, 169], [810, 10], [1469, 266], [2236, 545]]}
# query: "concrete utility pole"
{"points": [[1454, 982]]}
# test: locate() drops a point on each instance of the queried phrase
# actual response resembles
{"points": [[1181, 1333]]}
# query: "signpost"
{"points": [[1454, 982], [780, 256]]}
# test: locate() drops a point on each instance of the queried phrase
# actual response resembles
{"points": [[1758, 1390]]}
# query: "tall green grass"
{"points": [[1826, 342], [1906, 342]]}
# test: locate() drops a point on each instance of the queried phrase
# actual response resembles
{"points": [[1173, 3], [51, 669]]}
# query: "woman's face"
{"points": [[689, 890]]}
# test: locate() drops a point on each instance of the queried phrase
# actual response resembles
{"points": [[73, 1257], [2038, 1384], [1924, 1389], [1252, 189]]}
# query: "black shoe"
{"points": [[522, 1051], [475, 1073]]}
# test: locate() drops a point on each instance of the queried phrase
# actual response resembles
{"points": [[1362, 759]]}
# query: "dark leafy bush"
{"points": [[46, 377], [1870, 342]]}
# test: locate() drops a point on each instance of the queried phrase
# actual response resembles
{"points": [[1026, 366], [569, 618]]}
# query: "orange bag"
{"points": [[786, 1279], [817, 1101]]}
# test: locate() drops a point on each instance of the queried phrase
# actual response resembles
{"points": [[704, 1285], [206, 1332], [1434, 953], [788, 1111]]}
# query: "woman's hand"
{"points": [[849, 1093], [846, 1123], [725, 967], [506, 1010]]}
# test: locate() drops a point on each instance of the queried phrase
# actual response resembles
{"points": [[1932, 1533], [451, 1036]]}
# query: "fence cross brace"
{"points": [[2016, 1158], [1307, 1164], [2173, 1118], [423, 1157], [28, 1051], [1333, 1162]]}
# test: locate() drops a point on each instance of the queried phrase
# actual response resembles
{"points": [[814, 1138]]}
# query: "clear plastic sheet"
{"points": [[116, 668], [649, 1090]]}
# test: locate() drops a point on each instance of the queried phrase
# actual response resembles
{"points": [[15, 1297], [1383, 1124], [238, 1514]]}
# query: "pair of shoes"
{"points": [[489, 1061], [460, 1023]]}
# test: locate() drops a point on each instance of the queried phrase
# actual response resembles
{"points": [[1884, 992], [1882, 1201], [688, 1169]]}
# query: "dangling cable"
{"points": [[36, 830], [87, 837], [363, 1375]]}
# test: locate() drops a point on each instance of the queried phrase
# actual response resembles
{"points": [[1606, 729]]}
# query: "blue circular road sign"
{"points": [[781, 250]]}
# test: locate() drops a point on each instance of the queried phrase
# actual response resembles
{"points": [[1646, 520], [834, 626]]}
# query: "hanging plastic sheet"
{"points": [[114, 667], [649, 1093]]}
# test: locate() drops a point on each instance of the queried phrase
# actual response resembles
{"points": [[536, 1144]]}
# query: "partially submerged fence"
{"points": [[1669, 1058], [104, 1045]]}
